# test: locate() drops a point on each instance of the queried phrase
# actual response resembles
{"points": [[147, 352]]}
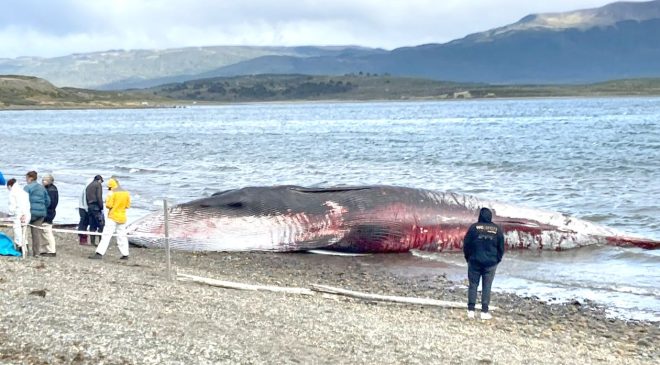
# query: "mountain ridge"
{"points": [[539, 56], [94, 69], [607, 15], [615, 41]]}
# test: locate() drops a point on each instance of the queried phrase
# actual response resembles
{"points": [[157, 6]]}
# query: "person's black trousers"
{"points": [[476, 273]]}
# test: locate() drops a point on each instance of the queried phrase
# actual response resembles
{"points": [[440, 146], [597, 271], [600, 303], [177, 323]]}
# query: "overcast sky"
{"points": [[60, 27]]}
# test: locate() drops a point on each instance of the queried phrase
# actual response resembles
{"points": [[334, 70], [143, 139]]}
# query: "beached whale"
{"points": [[359, 219]]}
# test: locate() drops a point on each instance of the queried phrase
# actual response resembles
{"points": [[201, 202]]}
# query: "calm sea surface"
{"points": [[597, 159]]}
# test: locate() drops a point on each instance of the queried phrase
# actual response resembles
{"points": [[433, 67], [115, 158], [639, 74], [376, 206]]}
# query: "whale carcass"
{"points": [[359, 219]]}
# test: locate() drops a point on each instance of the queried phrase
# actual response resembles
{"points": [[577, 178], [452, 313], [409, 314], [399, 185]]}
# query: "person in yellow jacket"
{"points": [[117, 203]]}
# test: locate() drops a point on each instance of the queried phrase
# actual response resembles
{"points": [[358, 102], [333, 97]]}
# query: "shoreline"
{"points": [[127, 312], [185, 104]]}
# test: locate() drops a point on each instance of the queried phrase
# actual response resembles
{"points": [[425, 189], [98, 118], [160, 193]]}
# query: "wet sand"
{"points": [[70, 309]]}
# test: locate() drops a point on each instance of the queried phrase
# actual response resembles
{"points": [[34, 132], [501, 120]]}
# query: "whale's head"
{"points": [[241, 219]]}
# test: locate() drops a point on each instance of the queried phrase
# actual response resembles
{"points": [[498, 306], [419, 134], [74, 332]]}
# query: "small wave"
{"points": [[453, 259], [569, 284], [590, 285], [617, 305], [638, 255], [133, 170], [598, 218]]}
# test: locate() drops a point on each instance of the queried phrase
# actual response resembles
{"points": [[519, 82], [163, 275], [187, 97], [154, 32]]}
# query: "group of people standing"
{"points": [[483, 244], [34, 206], [91, 214]]}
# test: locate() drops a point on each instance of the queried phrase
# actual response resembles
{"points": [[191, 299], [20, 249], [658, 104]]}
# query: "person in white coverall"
{"points": [[19, 208]]}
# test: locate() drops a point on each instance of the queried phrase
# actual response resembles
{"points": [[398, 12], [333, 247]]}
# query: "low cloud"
{"points": [[60, 27]]}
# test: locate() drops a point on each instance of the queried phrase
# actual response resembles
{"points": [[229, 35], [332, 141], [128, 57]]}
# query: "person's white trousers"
{"points": [[20, 229], [122, 241]]}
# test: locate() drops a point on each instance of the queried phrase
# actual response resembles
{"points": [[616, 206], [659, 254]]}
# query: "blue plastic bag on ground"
{"points": [[7, 246]]}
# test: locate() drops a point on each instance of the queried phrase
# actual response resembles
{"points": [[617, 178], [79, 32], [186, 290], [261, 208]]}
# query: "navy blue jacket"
{"points": [[54, 199], [484, 241]]}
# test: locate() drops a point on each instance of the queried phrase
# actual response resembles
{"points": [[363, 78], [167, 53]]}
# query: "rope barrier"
{"points": [[10, 220], [75, 231]]}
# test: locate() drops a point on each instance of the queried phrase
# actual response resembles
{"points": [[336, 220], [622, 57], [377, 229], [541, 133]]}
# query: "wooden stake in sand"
{"points": [[240, 286], [389, 298], [167, 241], [323, 289]]}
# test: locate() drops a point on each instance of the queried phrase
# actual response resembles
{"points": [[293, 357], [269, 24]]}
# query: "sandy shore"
{"points": [[70, 309]]}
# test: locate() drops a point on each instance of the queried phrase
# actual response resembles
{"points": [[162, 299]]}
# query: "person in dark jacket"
{"points": [[94, 196], [39, 202], [47, 232], [483, 247], [83, 223]]}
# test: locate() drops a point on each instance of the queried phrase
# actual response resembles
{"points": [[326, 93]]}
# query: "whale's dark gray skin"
{"points": [[359, 219]]}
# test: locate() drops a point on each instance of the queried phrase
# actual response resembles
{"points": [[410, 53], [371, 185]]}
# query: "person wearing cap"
{"points": [[483, 248], [94, 197], [47, 232], [19, 208], [118, 201], [39, 203]]}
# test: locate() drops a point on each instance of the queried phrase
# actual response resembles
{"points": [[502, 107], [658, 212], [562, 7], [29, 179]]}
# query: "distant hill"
{"points": [[617, 41], [28, 92], [121, 69], [365, 86], [305, 87]]}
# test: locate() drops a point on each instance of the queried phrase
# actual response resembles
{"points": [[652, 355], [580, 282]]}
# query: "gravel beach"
{"points": [[72, 310]]}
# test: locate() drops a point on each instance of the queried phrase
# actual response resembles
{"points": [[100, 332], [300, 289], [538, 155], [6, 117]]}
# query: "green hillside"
{"points": [[303, 87], [378, 87], [27, 92]]}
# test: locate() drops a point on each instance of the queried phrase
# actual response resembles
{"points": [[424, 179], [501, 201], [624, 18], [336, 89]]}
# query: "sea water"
{"points": [[594, 158]]}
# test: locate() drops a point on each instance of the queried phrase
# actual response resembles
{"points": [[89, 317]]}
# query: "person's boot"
{"points": [[83, 240], [96, 256]]}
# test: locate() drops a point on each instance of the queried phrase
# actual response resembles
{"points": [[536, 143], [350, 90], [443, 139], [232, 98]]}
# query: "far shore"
{"points": [[183, 104]]}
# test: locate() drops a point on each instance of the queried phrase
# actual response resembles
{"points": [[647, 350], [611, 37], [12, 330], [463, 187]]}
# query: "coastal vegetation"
{"points": [[26, 92], [366, 86]]}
